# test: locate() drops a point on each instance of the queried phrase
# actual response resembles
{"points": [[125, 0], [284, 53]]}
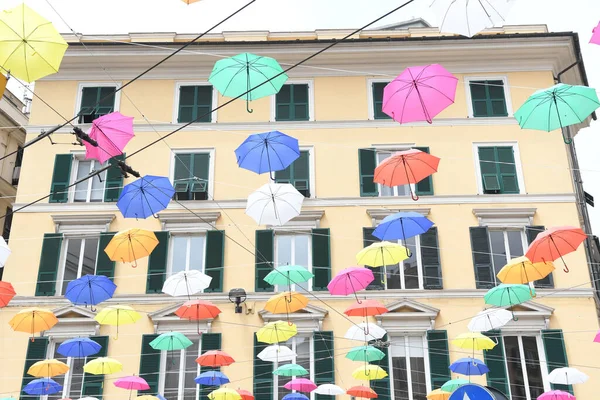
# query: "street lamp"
{"points": [[237, 296]]}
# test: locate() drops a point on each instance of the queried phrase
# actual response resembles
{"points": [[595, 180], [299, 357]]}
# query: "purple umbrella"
{"points": [[301, 385], [350, 280]]}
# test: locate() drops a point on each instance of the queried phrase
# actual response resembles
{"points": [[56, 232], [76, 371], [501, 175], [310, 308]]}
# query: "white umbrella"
{"points": [[357, 332], [274, 204], [276, 353], [469, 17], [88, 398], [567, 376], [186, 283], [487, 320], [4, 252], [329, 390]]}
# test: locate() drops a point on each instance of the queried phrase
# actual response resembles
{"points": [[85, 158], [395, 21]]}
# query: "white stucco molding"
{"points": [[378, 214], [408, 316], [309, 319], [505, 217], [531, 317], [73, 321], [307, 220], [165, 320], [82, 223], [188, 222]]}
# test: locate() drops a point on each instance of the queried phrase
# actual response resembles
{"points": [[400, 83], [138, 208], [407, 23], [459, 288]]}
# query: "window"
{"points": [[96, 101], [91, 190], [386, 191], [79, 259], [298, 174], [8, 217], [194, 101], [488, 98], [408, 368], [293, 250], [301, 345], [178, 370], [506, 244], [191, 176], [377, 100], [72, 381], [17, 168], [523, 365], [409, 274], [498, 169], [187, 252], [292, 103]]}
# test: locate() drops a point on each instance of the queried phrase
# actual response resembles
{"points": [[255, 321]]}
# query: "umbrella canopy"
{"points": [[224, 394], [469, 366], [468, 18], [291, 370], [276, 353], [295, 396], [42, 387], [286, 303], [597, 337], [30, 46], [117, 315], [90, 290], [145, 197], [366, 308], [438, 394], [275, 332], [32, 320], [131, 245], [211, 378], [557, 107], [556, 395], [112, 132], [79, 347], [329, 389], [379, 254], [7, 292], [274, 204], [195, 310], [102, 366], [473, 341], [186, 283], [236, 75], [48, 368], [4, 251], [267, 152], [567, 376], [419, 94], [554, 243], [171, 341], [473, 391], [369, 373], [595, 39], [148, 397], [362, 391], [246, 395], [350, 280], [215, 358], [288, 274], [506, 295], [487, 320], [132, 383], [365, 332], [453, 384], [188, 2], [365, 353], [520, 270], [301, 385], [402, 225]]}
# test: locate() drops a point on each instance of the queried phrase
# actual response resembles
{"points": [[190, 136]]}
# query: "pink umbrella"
{"points": [[350, 280], [597, 338], [301, 385], [556, 395], [112, 132], [132, 383], [419, 93], [596, 35]]}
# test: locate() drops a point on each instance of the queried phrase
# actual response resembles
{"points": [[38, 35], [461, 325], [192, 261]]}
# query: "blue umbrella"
{"points": [[90, 290], [78, 348], [211, 378], [469, 366], [145, 196], [161, 397], [267, 152], [402, 225], [295, 396], [42, 386], [474, 392]]}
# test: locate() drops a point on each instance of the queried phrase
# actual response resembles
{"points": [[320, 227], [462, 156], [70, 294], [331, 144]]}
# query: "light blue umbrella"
{"points": [[402, 225], [267, 152]]}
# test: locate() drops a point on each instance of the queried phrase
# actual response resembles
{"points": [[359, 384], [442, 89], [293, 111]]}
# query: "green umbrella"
{"points": [[288, 274], [556, 107], [171, 341], [365, 353], [453, 384], [507, 295], [236, 75], [291, 370]]}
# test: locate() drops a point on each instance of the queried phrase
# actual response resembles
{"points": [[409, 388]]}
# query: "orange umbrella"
{"points": [[365, 309], [405, 167], [554, 243], [215, 358], [362, 391], [7, 292], [246, 395], [196, 310]]}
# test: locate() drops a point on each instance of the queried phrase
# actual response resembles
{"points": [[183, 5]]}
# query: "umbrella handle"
{"points": [[248, 107], [92, 309], [567, 140], [414, 196], [566, 269]]}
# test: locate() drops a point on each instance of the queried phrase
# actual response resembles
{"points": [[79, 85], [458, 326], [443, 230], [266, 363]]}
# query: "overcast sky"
{"points": [[123, 16]]}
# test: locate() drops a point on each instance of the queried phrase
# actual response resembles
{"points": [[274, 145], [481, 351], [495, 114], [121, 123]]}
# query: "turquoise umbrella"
{"points": [[288, 274], [171, 341], [365, 353], [291, 370], [507, 295], [236, 75], [556, 107], [453, 384]]}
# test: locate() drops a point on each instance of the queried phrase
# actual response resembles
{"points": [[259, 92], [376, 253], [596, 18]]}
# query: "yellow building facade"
{"points": [[332, 105]]}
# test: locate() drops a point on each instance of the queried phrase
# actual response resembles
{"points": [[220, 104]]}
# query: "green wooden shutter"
{"points": [[263, 373], [482, 257], [292, 103], [149, 364], [36, 351], [321, 258], [367, 162], [297, 174], [494, 359], [377, 88], [61, 177], [114, 180], [430, 257], [498, 170], [324, 360], [195, 102], [210, 341], [378, 272], [95, 102], [556, 354], [214, 260], [424, 187], [93, 385], [49, 259], [439, 358], [382, 386], [157, 264], [263, 259], [507, 169], [104, 265], [532, 232], [488, 98]]}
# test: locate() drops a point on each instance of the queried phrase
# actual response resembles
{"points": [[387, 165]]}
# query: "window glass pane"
{"points": [[191, 370], [172, 371], [71, 263], [83, 170], [417, 367], [284, 254], [301, 256], [196, 253], [60, 379], [280, 381], [90, 252], [532, 361], [499, 257], [76, 373], [398, 347], [384, 191], [98, 184], [393, 276], [410, 265], [515, 243], [179, 254], [515, 370], [400, 378], [303, 352]]}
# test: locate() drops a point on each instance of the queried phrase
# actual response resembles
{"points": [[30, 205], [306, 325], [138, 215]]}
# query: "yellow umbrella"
{"points": [[103, 365], [224, 394], [117, 315], [131, 245], [286, 303], [190, 1], [438, 394], [382, 253], [147, 397], [520, 270], [30, 46], [275, 332], [32, 320], [369, 373], [48, 368], [474, 341]]}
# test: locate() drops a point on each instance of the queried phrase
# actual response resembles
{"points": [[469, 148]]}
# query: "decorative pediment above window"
{"points": [[408, 316], [378, 214], [165, 320], [307, 220], [74, 321], [309, 319], [505, 217], [188, 222], [531, 317], [82, 223]]}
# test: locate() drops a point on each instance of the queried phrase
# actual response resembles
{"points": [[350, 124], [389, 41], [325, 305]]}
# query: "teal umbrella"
{"points": [[365, 353], [556, 107], [236, 75], [288, 274], [291, 370], [453, 384], [507, 295], [171, 341]]}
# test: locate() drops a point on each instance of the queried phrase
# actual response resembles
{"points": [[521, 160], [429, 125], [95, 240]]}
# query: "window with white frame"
{"points": [[91, 190], [78, 259], [498, 168], [293, 102], [505, 245], [408, 368], [523, 363], [96, 100], [409, 273], [301, 345], [187, 252], [293, 249], [177, 372], [386, 191], [192, 174], [72, 380]]}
